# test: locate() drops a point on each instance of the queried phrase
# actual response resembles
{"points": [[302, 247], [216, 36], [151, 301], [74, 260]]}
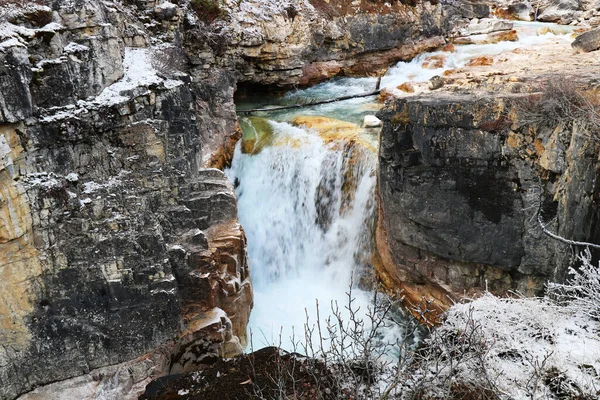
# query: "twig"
{"points": [[310, 104]]}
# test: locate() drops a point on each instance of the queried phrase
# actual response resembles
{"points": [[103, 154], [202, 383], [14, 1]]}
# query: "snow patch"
{"points": [[44, 180], [75, 48], [138, 71], [52, 27], [72, 177]]}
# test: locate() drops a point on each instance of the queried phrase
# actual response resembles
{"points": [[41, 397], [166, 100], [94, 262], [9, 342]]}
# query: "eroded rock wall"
{"points": [[303, 42], [460, 184], [121, 256]]}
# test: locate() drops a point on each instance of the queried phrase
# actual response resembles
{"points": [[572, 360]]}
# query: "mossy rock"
{"points": [[257, 134]]}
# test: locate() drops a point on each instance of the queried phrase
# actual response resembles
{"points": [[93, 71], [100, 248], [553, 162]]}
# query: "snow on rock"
{"points": [[72, 177], [534, 349], [167, 5], [13, 42], [65, 113], [371, 121], [138, 72], [73, 47], [52, 27], [44, 180]]}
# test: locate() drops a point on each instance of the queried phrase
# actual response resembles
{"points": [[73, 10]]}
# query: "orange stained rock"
{"points": [[480, 61], [503, 36], [407, 87], [539, 147], [331, 130], [385, 94], [434, 62], [449, 48]]}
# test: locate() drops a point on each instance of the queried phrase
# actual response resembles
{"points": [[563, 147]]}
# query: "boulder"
{"points": [[436, 82], [487, 25], [522, 11], [371, 121], [503, 36], [407, 87], [480, 61], [517, 11], [587, 41], [563, 11]]}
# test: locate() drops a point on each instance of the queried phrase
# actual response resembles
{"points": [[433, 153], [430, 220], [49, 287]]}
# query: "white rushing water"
{"points": [[305, 239]]}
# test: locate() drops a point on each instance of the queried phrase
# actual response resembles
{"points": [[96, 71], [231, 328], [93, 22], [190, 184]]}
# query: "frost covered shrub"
{"points": [[509, 348], [582, 292], [489, 348]]}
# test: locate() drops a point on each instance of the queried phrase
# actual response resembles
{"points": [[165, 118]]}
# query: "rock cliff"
{"points": [[121, 256], [462, 177]]}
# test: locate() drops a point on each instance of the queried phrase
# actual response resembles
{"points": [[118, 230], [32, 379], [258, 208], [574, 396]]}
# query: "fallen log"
{"points": [[310, 104]]}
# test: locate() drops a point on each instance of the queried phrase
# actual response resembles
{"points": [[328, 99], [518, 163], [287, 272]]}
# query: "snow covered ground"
{"points": [[515, 348]]}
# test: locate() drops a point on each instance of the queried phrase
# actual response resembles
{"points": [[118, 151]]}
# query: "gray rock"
{"points": [[15, 75], [587, 41], [436, 82], [462, 192], [487, 25], [522, 11], [564, 11]]}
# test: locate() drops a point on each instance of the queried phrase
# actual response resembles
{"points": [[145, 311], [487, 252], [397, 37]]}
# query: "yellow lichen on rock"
{"points": [[19, 260], [333, 130]]}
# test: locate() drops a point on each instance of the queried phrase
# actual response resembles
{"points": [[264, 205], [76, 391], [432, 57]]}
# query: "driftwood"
{"points": [[310, 104]]}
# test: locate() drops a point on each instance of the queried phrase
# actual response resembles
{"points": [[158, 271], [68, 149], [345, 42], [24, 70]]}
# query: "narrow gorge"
{"points": [[151, 228]]}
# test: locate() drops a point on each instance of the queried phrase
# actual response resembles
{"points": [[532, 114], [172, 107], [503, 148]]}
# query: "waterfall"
{"points": [[306, 205], [306, 199]]}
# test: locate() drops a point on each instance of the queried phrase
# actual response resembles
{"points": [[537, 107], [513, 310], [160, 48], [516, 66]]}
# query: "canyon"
{"points": [[121, 253]]}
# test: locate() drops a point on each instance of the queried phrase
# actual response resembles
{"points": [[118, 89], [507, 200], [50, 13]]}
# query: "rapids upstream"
{"points": [[305, 181]]}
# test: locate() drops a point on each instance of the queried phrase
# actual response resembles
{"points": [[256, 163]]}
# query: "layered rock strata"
{"points": [[121, 257], [304, 42], [462, 177]]}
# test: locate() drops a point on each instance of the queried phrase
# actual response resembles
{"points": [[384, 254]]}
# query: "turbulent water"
{"points": [[307, 209], [306, 201]]}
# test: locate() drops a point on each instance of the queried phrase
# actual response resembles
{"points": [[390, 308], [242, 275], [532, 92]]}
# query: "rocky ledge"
{"points": [[465, 171]]}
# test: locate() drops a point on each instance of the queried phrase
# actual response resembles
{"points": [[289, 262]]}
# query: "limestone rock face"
{"points": [[305, 43], [120, 255], [459, 193]]}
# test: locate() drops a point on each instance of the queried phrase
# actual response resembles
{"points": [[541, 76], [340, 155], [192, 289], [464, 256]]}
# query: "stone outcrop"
{"points": [[304, 42], [461, 180], [587, 41], [121, 256]]}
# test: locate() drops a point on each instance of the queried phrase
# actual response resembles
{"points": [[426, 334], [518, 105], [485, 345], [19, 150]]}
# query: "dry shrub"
{"points": [[207, 10], [558, 100]]}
